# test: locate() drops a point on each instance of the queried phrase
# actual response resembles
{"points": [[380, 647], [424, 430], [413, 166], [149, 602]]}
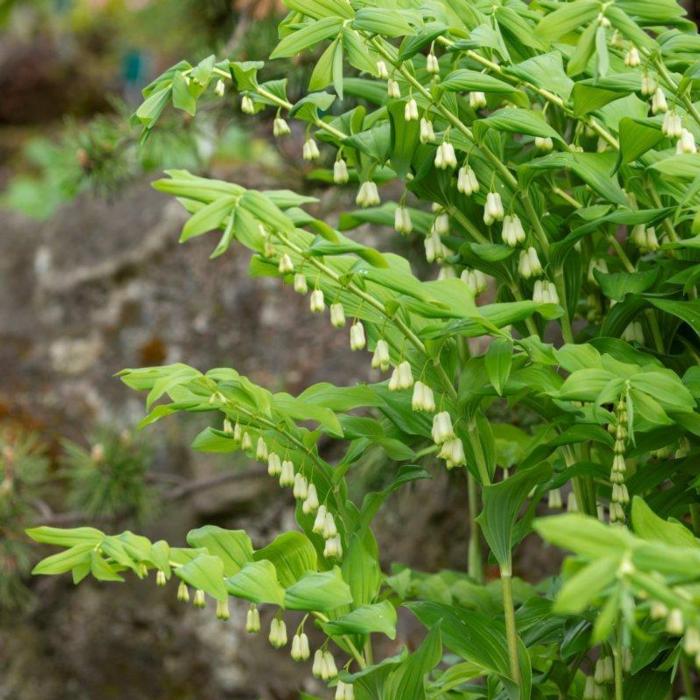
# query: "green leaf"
{"points": [[584, 535], [64, 561], [257, 582], [649, 526], [466, 80], [208, 218], [407, 681], [380, 617], [205, 572], [182, 97], [585, 585], [377, 20], [502, 502], [65, 537], [411, 45], [404, 139], [519, 121], [308, 35], [318, 591], [685, 165], [233, 547], [321, 8], [153, 107], [617, 285], [498, 361], [567, 18], [292, 554], [584, 50], [637, 136]]}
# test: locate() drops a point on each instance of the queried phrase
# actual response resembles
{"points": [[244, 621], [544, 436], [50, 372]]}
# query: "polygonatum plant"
{"points": [[545, 153]]}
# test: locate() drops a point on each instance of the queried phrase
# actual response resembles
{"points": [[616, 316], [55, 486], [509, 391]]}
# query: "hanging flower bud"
{"points": [[393, 89], [381, 358], [337, 315], [598, 264], [222, 610], [274, 465], [554, 499], [590, 690], [357, 336], [340, 172], [261, 450], [318, 666], [674, 622], [183, 593], [227, 427], [466, 181], [672, 125], [545, 293], [237, 432], [544, 143], [301, 487], [634, 333], [649, 85], [160, 578], [286, 266], [572, 503], [445, 156], [247, 106], [317, 302], [658, 102], [426, 134], [431, 64], [477, 100], [442, 428], [246, 441], [493, 211], [252, 620], [310, 504], [280, 128], [452, 451], [691, 641], [331, 670], [686, 143], [300, 285], [287, 473], [344, 691], [620, 494], [410, 112], [632, 59], [434, 248], [278, 633], [513, 232], [333, 549], [320, 521], [329, 527], [423, 398], [405, 375], [199, 601], [368, 195], [475, 280], [441, 225], [533, 266], [300, 647], [382, 70], [310, 150], [402, 220], [220, 88]]}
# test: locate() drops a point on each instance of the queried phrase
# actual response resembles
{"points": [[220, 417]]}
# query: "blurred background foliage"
{"points": [[71, 72]]}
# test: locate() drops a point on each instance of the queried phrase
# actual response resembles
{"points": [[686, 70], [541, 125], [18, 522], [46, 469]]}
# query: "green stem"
{"points": [[479, 454], [695, 517], [618, 661], [511, 631], [656, 331], [475, 563], [687, 678]]}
